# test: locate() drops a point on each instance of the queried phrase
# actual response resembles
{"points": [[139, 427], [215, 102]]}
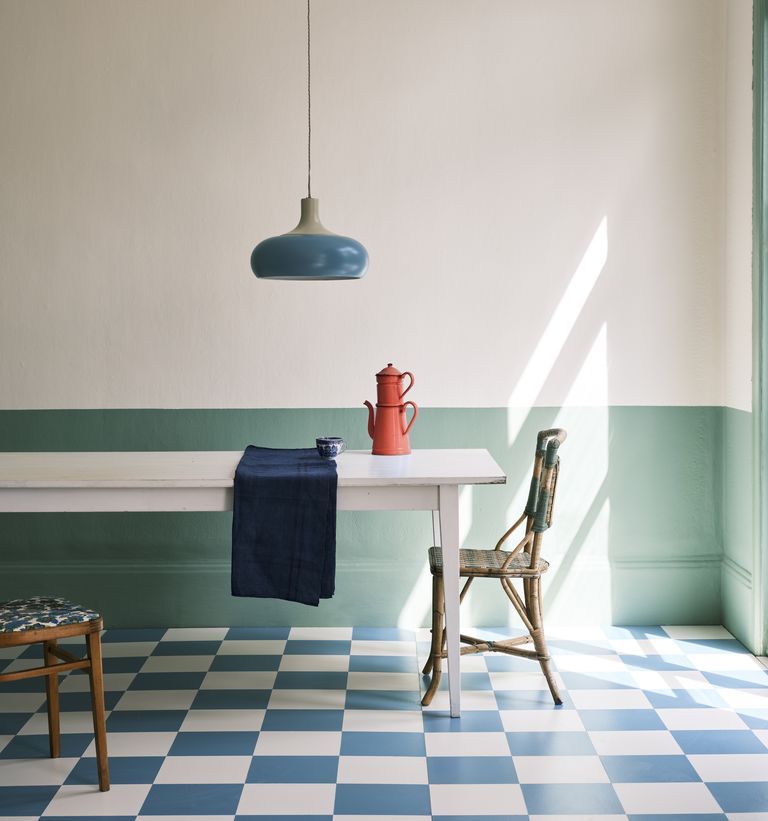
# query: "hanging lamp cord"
{"points": [[309, 104]]}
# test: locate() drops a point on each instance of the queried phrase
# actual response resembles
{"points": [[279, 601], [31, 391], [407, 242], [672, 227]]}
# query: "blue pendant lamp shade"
{"points": [[309, 252]]}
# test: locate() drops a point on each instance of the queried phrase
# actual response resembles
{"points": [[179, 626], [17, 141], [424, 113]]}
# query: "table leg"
{"points": [[449, 539]]}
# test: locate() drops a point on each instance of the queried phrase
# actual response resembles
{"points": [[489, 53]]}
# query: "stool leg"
{"points": [[539, 642], [97, 704], [436, 650], [52, 700]]}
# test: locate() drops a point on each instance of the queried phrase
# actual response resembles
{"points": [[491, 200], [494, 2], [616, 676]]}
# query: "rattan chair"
{"points": [[522, 562], [46, 620]]}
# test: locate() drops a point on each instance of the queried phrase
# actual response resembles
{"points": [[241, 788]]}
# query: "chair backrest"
{"points": [[541, 497]]}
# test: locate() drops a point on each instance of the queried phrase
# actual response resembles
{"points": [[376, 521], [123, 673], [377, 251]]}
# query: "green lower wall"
{"points": [[636, 538], [738, 525]]}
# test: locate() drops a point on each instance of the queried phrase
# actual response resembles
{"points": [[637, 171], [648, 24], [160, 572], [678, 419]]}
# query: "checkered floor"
{"points": [[658, 723]]}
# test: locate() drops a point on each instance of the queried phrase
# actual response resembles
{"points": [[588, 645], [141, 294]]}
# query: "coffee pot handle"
{"points": [[413, 418], [407, 373]]}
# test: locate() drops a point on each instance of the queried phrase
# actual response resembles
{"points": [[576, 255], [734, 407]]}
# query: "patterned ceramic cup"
{"points": [[329, 447]]}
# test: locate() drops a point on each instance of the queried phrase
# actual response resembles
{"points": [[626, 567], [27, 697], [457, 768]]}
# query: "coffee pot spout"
{"points": [[370, 418]]}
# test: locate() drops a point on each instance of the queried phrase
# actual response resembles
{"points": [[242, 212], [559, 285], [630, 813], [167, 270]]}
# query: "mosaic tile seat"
{"points": [[45, 620], [523, 562]]}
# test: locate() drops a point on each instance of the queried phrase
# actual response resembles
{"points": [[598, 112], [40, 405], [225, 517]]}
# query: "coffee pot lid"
{"points": [[390, 370]]}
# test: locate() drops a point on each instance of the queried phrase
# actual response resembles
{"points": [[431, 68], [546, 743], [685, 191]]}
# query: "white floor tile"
{"points": [[195, 634], [383, 648], [763, 736], [27, 772], [466, 744], [469, 799], [177, 664], [610, 700], [287, 799], [360, 818], [113, 683], [23, 664], [661, 680], [127, 649], [314, 663], [701, 718], [652, 646], [523, 681], [251, 647], [321, 633], [602, 663], [560, 769], [470, 700], [372, 769], [383, 681], [634, 742], [697, 631], [119, 744], [307, 700], [20, 702], [187, 818], [204, 769], [580, 817], [746, 697], [288, 742], [83, 801], [239, 680], [383, 721], [4, 739], [666, 798], [541, 721], [69, 722], [726, 663], [12, 652], [156, 700], [730, 767], [198, 721]]}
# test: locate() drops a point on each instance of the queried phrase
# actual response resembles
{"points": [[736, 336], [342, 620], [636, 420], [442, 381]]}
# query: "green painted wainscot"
{"points": [[637, 536]]}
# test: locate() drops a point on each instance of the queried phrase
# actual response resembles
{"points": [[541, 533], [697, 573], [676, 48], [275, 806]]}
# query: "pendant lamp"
{"points": [[310, 251]]}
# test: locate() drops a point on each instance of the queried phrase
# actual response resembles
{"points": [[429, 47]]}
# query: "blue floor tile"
{"points": [[531, 700], [623, 769], [312, 680], [617, 680], [140, 769], [214, 743], [283, 818], [23, 685], [245, 663], [741, 796], [382, 664], [73, 745], [621, 720], [469, 681], [756, 718], [231, 699], [25, 800], [257, 633], [312, 647], [571, 799], [552, 743], [718, 742], [659, 663], [192, 799], [680, 817], [470, 721], [328, 720], [145, 721], [738, 680], [187, 648], [712, 646], [674, 699], [471, 770], [81, 702], [479, 817], [382, 799], [11, 723], [383, 700], [167, 681], [353, 743], [293, 769]]}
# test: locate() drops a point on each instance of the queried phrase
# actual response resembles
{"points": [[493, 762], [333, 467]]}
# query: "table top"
{"points": [[216, 469]]}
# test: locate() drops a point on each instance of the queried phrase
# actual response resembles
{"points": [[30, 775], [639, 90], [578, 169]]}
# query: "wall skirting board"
{"points": [[637, 537]]}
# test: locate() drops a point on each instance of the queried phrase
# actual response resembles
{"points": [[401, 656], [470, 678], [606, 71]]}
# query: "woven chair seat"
{"points": [[39, 612], [488, 563]]}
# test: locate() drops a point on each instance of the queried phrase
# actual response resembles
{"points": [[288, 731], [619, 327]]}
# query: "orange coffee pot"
{"points": [[389, 430]]}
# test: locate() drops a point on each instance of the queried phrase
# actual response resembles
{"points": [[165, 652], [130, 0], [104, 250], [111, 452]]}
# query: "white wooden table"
{"points": [[203, 481]]}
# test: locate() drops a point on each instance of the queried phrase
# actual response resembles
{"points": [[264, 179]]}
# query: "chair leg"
{"points": [[97, 704], [52, 700], [436, 651], [533, 604]]}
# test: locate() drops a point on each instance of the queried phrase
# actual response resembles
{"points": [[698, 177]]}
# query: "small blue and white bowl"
{"points": [[329, 447]]}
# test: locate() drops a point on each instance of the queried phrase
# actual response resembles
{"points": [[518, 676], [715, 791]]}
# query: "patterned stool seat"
{"points": [[38, 612]]}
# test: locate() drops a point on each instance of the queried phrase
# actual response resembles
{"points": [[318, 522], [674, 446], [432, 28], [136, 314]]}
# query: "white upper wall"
{"points": [[540, 187], [737, 299]]}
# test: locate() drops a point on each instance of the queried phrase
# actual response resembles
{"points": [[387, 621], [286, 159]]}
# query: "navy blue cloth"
{"points": [[284, 525]]}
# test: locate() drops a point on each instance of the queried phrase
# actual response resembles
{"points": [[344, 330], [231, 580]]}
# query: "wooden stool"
{"points": [[46, 620]]}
